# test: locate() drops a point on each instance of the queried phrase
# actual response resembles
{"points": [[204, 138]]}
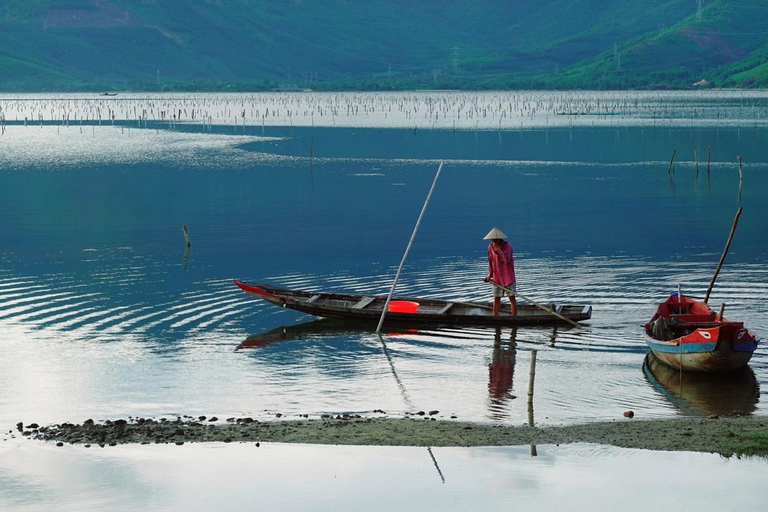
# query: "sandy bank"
{"points": [[727, 436]]}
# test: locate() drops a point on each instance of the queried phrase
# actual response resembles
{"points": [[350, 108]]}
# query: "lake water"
{"points": [[103, 314], [296, 477]]}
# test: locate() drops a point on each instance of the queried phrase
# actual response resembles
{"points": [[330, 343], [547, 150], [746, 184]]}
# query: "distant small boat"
{"points": [[109, 94], [687, 335], [409, 310]]}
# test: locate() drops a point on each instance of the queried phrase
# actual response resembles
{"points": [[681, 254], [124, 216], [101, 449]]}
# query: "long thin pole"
{"points": [[545, 308], [722, 258], [408, 248]]}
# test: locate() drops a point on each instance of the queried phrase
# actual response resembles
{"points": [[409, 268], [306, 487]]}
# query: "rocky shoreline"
{"points": [[727, 436]]}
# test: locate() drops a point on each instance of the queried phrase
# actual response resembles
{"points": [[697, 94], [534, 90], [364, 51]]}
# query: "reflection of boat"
{"points": [[408, 310], [735, 392], [296, 332], [686, 334]]}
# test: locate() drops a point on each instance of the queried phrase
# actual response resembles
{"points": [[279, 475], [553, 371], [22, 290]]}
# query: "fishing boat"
{"points": [[409, 310], [687, 335]]}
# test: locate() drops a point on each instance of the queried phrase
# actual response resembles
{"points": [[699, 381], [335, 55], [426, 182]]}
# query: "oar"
{"points": [[722, 258], [537, 304]]}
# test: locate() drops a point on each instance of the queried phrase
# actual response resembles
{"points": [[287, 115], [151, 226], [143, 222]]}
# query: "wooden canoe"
{"points": [[687, 335], [409, 310]]}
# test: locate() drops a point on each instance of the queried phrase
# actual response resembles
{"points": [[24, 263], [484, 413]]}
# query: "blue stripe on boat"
{"points": [[687, 348]]}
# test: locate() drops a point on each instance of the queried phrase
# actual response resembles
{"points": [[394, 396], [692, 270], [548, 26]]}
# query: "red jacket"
{"points": [[501, 264]]}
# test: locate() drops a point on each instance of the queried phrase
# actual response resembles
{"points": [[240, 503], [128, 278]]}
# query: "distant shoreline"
{"points": [[746, 435]]}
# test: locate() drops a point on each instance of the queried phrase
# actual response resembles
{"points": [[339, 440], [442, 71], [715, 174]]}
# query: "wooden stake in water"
{"points": [[671, 167], [696, 160], [532, 376], [741, 177], [186, 234], [408, 248], [722, 258]]}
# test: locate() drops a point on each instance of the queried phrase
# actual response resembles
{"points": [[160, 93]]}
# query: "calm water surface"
{"points": [[295, 477], [103, 314]]}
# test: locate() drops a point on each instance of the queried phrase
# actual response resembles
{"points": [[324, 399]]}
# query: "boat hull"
{"points": [[700, 357], [408, 310]]}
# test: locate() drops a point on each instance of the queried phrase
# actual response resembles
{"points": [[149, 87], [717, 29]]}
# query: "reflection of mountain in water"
{"points": [[704, 394]]}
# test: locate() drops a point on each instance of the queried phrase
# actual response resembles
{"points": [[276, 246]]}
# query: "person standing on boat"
{"points": [[501, 269]]}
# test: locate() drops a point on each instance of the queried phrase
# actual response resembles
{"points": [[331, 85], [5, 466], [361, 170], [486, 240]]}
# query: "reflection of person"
{"points": [[501, 371], [501, 269]]}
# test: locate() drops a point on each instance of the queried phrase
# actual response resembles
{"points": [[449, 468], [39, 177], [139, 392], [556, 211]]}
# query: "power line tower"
{"points": [[456, 52]]}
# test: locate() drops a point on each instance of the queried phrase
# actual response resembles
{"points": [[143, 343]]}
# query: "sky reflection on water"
{"points": [[576, 477]]}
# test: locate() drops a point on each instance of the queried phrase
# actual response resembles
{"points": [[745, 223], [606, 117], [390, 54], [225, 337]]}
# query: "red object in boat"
{"points": [[403, 306]]}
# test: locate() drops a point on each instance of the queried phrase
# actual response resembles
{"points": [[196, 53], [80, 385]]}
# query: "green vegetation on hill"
{"points": [[379, 44]]}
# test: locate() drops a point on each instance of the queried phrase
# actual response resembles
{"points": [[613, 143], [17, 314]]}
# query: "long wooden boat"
{"points": [[687, 335], [409, 310]]}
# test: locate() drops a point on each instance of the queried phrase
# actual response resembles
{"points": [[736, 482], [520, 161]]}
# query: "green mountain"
{"points": [[387, 44]]}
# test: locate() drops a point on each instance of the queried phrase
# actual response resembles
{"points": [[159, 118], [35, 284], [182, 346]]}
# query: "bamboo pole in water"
{"points": [[696, 160], [671, 167], [408, 248], [722, 258], [532, 376], [741, 178]]}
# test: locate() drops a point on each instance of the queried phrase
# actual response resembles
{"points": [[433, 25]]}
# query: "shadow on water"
{"points": [[704, 394], [435, 336], [313, 329]]}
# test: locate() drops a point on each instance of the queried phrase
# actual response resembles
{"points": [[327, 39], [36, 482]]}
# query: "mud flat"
{"points": [[727, 436]]}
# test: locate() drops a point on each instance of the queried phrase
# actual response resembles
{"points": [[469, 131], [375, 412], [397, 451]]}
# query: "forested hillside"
{"points": [[380, 44]]}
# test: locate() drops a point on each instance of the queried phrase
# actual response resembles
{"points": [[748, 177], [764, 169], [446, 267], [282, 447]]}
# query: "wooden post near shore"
{"points": [[741, 177], [531, 377], [186, 234]]}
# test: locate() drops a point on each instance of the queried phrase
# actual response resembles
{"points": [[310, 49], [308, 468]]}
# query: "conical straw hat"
{"points": [[495, 233]]}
